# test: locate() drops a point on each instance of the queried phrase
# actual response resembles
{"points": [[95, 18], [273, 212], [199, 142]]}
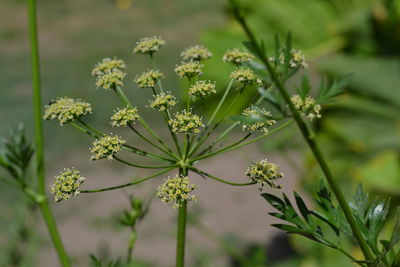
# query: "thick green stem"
{"points": [[308, 136], [181, 231], [37, 104], [131, 246]]}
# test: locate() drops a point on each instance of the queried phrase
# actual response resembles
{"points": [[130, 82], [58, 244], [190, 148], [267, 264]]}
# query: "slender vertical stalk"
{"points": [[131, 246], [308, 136], [181, 233], [37, 104]]}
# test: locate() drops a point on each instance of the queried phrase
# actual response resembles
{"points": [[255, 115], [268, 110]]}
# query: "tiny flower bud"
{"points": [[237, 56], [307, 107], [246, 76], [296, 60], [163, 101], [186, 122], [67, 184], [110, 80], [196, 53], [202, 89], [148, 79], [124, 116], [189, 69], [264, 172], [177, 191], [108, 65], [66, 110], [262, 120], [148, 45], [107, 146]]}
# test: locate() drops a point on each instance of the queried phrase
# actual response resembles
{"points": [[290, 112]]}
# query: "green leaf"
{"points": [[274, 201], [305, 212]]}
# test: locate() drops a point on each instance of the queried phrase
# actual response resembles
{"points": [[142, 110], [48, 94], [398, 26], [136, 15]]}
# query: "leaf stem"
{"points": [[143, 166], [308, 136]]}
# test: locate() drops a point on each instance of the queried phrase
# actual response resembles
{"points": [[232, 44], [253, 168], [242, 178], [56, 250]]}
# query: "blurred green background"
{"points": [[360, 133]]}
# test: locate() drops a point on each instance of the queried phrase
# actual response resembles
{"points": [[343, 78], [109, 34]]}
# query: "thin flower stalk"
{"points": [[203, 173]]}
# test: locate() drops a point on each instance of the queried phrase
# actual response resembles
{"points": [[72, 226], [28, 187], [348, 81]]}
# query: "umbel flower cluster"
{"points": [[188, 130], [67, 184], [263, 172], [176, 190]]}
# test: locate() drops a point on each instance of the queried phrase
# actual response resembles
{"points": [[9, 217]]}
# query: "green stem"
{"points": [[127, 184], [181, 231], [308, 136], [37, 104], [143, 166], [240, 143], [200, 172], [220, 103], [131, 246]]}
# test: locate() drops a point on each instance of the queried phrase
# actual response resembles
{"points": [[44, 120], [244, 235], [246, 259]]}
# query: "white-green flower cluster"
{"points": [[297, 59], [148, 45], [67, 184], [196, 53], [246, 76], [66, 110], [262, 120], [263, 172], [106, 147], [108, 65], [307, 107], [237, 56], [124, 116], [148, 79], [186, 122], [110, 80], [189, 69], [202, 89], [163, 101], [177, 191]]}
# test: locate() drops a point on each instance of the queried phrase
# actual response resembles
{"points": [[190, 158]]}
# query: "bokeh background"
{"points": [[360, 133]]}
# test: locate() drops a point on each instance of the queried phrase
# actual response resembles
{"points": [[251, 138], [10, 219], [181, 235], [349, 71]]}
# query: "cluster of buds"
{"points": [[122, 117], [196, 53], [202, 89], [189, 69], [263, 172], [163, 101], [108, 65], [66, 110], [246, 76], [296, 60], [186, 122], [257, 120], [148, 79], [109, 73], [148, 45], [307, 107], [237, 56], [67, 184], [106, 147], [177, 191]]}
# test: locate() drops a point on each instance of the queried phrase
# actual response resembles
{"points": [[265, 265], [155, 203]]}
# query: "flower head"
{"points": [[246, 76], [307, 107], [107, 146], [296, 60], [67, 184], [177, 191], [66, 110], [264, 172], [148, 79], [163, 101], [124, 116], [237, 56], [189, 69], [107, 65], [202, 89], [186, 122], [148, 45], [110, 80], [260, 120], [196, 53]]}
